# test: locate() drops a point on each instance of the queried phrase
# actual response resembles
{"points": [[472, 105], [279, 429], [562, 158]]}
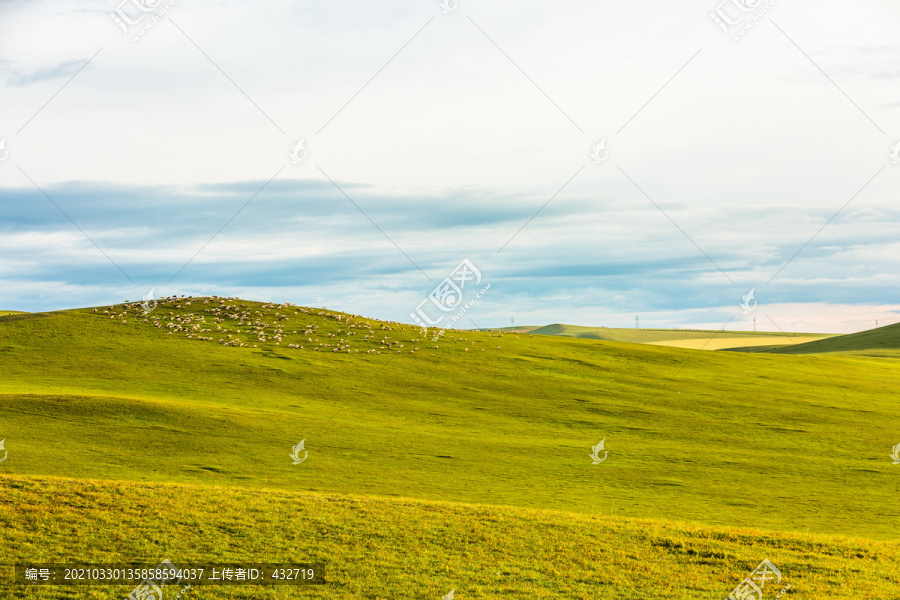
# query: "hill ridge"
{"points": [[886, 337]]}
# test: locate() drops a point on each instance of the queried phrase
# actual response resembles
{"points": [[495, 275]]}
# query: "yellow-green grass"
{"points": [[87, 396], [783, 444], [724, 343], [403, 548], [4, 313], [646, 336]]}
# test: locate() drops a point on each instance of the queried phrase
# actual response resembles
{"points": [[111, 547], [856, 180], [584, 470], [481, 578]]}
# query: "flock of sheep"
{"points": [[245, 324]]}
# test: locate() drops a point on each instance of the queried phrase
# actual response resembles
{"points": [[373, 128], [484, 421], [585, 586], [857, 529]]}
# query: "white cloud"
{"points": [[749, 149]]}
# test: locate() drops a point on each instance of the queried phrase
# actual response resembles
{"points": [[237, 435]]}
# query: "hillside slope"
{"points": [[881, 341], [715, 438]]}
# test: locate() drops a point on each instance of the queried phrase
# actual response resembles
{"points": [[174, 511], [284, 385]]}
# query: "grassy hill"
{"points": [[880, 342], [494, 427], [883, 341]]}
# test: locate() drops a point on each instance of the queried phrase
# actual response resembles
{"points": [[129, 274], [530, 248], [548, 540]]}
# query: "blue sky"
{"points": [[431, 137]]}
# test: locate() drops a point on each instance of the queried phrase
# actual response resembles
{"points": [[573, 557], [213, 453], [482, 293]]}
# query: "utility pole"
{"points": [[754, 324], [512, 321], [637, 324]]}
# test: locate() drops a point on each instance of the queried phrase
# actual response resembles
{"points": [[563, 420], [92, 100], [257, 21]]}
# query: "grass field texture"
{"points": [[100, 410], [402, 548]]}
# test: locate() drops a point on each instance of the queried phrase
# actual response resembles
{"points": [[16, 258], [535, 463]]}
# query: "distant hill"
{"points": [[649, 336], [882, 341]]}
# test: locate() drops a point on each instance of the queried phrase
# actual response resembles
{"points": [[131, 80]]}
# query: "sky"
{"points": [[593, 161]]}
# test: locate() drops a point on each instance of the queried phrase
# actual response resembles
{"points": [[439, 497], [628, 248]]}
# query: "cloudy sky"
{"points": [[594, 160]]}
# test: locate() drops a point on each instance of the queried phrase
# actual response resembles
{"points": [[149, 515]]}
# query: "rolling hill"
{"points": [[883, 341], [880, 342], [461, 463]]}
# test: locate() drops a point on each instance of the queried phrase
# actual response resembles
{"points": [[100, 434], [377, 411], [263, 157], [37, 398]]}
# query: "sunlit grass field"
{"points": [[435, 467], [726, 341], [375, 547]]}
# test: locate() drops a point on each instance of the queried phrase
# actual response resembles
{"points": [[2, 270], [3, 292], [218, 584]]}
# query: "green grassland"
{"points": [[401, 548], [442, 462]]}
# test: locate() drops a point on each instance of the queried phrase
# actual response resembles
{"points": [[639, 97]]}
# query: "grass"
{"points": [[790, 447], [405, 548]]}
